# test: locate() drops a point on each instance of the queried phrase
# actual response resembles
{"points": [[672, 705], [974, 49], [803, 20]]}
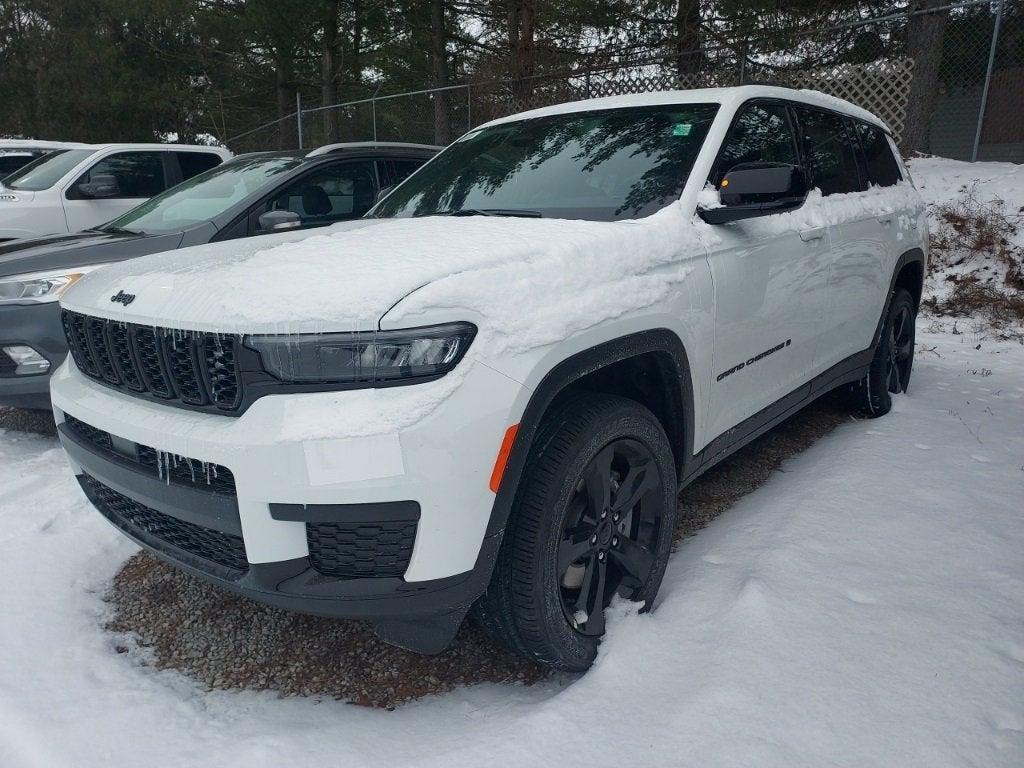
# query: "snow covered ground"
{"points": [[865, 607]]}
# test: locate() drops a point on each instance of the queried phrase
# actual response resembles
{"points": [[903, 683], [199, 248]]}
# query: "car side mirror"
{"points": [[749, 190], [99, 186], [275, 221]]}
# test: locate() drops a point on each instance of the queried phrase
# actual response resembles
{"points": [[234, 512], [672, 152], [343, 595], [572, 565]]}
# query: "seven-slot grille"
{"points": [[192, 367]]}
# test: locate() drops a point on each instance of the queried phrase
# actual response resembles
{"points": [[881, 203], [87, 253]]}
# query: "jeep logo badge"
{"points": [[123, 298]]}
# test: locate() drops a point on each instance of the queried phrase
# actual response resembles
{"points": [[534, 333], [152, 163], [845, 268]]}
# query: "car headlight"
{"points": [[367, 358], [39, 287]]}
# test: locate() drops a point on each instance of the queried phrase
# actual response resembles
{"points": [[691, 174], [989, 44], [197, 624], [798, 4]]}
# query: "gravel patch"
{"points": [[227, 642], [37, 422]]}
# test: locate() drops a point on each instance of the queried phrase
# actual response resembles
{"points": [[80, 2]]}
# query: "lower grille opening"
{"points": [[135, 518], [361, 550], [171, 468]]}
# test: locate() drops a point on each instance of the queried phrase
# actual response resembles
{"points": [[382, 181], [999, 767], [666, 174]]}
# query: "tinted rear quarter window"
{"points": [[194, 163], [882, 167], [829, 151]]}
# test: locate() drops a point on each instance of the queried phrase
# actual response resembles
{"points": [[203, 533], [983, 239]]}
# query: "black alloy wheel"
{"points": [[893, 361], [593, 518], [609, 533], [901, 348]]}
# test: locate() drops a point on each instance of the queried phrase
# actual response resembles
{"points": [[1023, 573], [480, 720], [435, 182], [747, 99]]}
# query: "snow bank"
{"points": [[983, 204]]}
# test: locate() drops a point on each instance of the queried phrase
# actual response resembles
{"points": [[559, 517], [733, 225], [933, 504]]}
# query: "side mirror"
{"points": [[99, 186], [382, 193], [275, 221], [749, 190]]}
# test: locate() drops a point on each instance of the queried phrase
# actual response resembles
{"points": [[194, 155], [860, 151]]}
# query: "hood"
{"points": [[41, 254], [348, 278]]}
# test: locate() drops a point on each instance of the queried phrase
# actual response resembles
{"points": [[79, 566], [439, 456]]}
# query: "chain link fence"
{"points": [[973, 56]]}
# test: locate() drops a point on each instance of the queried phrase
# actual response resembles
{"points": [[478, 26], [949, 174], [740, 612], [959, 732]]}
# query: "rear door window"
{"points": [[138, 174], [194, 163], [403, 169], [882, 168], [830, 152]]}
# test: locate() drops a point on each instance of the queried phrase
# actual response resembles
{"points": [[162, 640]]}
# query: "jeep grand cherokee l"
{"points": [[489, 401]]}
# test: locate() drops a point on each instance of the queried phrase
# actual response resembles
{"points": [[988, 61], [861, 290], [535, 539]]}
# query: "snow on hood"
{"points": [[534, 281], [544, 276]]}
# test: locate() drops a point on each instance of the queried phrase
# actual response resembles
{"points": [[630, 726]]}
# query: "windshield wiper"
{"points": [[489, 212], [117, 230]]}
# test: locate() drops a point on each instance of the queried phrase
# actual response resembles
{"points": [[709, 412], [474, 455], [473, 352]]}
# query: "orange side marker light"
{"points": [[502, 460]]}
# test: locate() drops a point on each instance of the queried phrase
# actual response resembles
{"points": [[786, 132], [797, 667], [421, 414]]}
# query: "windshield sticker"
{"points": [[681, 129]]}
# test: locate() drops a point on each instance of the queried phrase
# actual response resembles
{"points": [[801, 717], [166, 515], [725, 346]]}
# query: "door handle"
{"points": [[814, 233], [885, 221]]}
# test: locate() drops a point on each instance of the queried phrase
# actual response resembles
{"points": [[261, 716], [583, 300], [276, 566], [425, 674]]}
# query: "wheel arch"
{"points": [[908, 273], [651, 361]]}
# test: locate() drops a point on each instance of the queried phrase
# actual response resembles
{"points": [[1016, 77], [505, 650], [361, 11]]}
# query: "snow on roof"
{"points": [[729, 97], [27, 144]]}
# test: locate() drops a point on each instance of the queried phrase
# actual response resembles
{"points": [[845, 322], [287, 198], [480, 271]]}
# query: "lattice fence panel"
{"points": [[881, 87]]}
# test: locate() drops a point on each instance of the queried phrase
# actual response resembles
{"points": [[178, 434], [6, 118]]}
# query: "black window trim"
{"points": [[790, 106], [846, 121], [862, 152], [172, 170]]}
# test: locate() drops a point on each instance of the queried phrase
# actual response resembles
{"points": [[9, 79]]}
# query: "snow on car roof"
{"points": [[728, 97], [22, 145]]}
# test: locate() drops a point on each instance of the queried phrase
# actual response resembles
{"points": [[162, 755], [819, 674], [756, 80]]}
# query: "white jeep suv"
{"points": [[490, 399]]}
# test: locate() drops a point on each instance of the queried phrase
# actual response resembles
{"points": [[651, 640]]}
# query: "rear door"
{"points": [[140, 175], [859, 242], [770, 280], [882, 169]]}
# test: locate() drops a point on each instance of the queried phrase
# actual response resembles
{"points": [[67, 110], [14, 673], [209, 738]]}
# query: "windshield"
{"points": [[205, 196], [605, 165], [47, 170]]}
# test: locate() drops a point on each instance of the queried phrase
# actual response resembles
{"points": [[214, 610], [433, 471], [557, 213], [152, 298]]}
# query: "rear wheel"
{"points": [[593, 519], [893, 361]]}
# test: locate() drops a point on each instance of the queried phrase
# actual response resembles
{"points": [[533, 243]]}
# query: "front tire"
{"points": [[593, 518]]}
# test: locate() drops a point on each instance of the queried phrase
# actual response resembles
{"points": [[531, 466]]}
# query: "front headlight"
{"points": [[367, 358], [39, 287]]}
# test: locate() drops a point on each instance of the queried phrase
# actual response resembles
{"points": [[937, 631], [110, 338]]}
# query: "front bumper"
{"points": [[37, 326], [292, 499]]}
